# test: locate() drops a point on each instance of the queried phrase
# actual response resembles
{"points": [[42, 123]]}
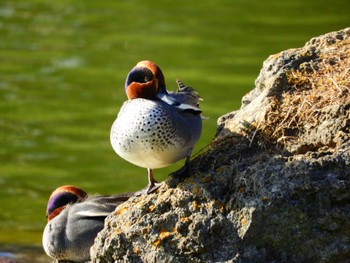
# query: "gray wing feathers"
{"points": [[187, 97]]}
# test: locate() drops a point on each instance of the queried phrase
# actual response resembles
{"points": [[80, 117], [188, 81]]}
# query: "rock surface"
{"points": [[273, 186]]}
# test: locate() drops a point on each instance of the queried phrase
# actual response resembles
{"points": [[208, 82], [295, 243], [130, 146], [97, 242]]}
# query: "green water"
{"points": [[62, 71]]}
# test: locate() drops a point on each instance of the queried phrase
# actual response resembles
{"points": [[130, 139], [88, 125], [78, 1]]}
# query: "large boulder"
{"points": [[273, 185]]}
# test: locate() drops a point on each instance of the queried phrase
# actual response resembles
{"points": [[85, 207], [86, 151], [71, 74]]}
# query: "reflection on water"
{"points": [[23, 254], [63, 66]]}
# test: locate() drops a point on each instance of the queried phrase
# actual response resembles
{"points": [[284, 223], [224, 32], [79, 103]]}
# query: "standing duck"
{"points": [[156, 128], [74, 220]]}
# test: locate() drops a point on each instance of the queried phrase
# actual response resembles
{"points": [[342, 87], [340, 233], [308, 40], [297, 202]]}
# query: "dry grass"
{"points": [[314, 85]]}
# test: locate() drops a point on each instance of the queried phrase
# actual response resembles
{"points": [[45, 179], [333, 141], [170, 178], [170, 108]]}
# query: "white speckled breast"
{"points": [[151, 134]]}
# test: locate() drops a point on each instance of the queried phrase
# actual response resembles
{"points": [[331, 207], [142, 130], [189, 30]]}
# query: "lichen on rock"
{"points": [[273, 185]]}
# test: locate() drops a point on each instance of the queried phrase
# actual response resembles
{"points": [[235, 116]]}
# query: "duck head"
{"points": [[144, 81], [61, 197]]}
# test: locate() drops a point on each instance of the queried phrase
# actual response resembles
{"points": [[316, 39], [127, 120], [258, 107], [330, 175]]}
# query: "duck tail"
{"points": [[187, 94]]}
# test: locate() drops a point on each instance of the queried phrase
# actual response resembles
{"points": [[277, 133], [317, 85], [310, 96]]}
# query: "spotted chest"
{"points": [[146, 133]]}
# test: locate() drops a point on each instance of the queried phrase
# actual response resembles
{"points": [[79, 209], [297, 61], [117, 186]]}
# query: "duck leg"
{"points": [[152, 186], [152, 183]]}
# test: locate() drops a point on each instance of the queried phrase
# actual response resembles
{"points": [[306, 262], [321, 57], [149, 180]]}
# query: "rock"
{"points": [[273, 186]]}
